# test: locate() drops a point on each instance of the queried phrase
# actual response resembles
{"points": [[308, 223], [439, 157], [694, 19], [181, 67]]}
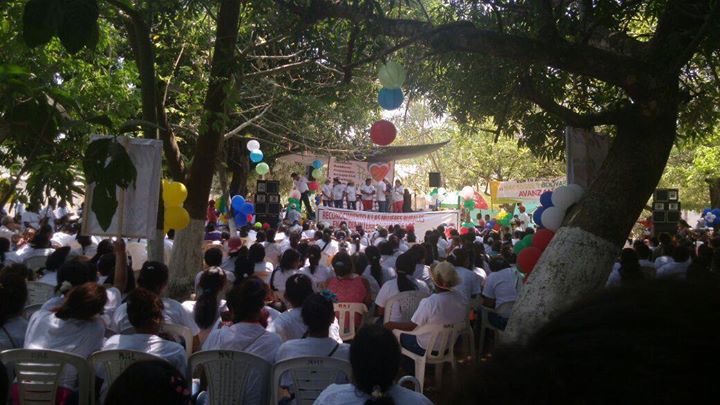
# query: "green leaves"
{"points": [[73, 21], [107, 165]]}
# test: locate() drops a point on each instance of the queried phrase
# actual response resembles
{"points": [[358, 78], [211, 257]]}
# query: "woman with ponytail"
{"points": [[209, 303], [375, 360], [375, 269], [404, 282], [318, 273]]}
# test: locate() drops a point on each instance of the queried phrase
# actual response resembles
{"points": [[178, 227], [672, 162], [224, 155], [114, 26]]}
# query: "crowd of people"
{"points": [[270, 292]]}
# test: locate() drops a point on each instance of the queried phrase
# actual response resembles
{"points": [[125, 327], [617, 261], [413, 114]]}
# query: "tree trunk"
{"points": [[579, 259], [186, 258], [714, 186], [239, 163]]}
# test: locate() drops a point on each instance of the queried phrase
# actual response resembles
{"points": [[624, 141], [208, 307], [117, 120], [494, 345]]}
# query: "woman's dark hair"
{"points": [[459, 258], [314, 255], [130, 279], [149, 382], [411, 238], [244, 268], [210, 286], [104, 247], [76, 273], [342, 264], [327, 235], [56, 258], [681, 254], [359, 262], [260, 236], [106, 264], [386, 248], [13, 294], [297, 288], [41, 240], [498, 263], [4, 248], [375, 360], [213, 257], [318, 313], [246, 299], [418, 253], [373, 255], [83, 302], [144, 308], [153, 276], [630, 266], [405, 266], [289, 260], [294, 239], [256, 253], [270, 235]]}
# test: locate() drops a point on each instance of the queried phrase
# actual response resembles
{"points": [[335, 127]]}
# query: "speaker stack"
{"points": [[666, 210], [434, 179], [267, 202]]}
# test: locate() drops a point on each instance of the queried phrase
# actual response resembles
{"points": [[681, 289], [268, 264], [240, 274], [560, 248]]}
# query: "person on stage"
{"points": [[301, 185], [351, 195], [327, 194], [367, 192], [380, 189], [338, 192], [397, 196]]}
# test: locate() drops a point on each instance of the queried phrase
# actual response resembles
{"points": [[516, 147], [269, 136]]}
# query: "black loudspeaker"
{"points": [[273, 186], [268, 219], [274, 208], [666, 210], [434, 179]]}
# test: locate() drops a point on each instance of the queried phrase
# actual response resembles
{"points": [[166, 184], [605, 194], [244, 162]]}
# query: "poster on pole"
{"points": [[585, 152], [369, 220], [357, 171], [136, 214]]}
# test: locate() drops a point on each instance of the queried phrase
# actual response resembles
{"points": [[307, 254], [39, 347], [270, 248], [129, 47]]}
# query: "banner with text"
{"points": [[422, 221], [528, 189], [359, 171]]}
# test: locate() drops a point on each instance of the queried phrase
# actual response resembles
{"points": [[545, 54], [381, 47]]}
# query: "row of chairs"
{"points": [[227, 373]]}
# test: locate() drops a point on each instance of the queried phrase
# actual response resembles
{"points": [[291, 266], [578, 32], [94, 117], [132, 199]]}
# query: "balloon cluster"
{"points": [[468, 195], [294, 200], [317, 174], [242, 210], [256, 156], [467, 228], [503, 217], [711, 217], [530, 248], [555, 205], [174, 194], [392, 77]]}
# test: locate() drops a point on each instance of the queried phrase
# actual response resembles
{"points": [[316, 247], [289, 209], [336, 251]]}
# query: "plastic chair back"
{"points": [[114, 362], [346, 315], [410, 379], [310, 376], [228, 373], [179, 333], [408, 302], [39, 293], [38, 371]]}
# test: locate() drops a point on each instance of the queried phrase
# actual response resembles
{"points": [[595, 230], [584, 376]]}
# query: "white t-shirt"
{"points": [[347, 394], [388, 273], [26, 252], [263, 270], [503, 286], [173, 352], [31, 218], [470, 283], [280, 277], [439, 309], [49, 278], [663, 260], [380, 188], [273, 251], [422, 272], [338, 191], [173, 313], [301, 184], [367, 192], [12, 334], [290, 325], [230, 276], [83, 338], [351, 192], [390, 289], [322, 275], [442, 247], [64, 239], [327, 190], [49, 213], [398, 193], [673, 270]]}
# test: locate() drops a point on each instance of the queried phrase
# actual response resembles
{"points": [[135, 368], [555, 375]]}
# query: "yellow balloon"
{"points": [[174, 194], [176, 218], [502, 214]]}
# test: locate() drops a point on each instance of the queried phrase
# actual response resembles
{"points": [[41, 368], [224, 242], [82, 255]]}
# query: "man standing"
{"points": [[367, 192], [351, 195], [48, 213], [380, 189], [301, 185], [338, 192], [327, 193], [398, 193]]}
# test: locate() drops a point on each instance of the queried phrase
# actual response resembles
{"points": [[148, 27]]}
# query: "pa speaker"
{"points": [[434, 179], [274, 208]]}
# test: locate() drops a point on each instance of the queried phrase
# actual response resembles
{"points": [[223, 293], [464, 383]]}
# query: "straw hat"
{"points": [[444, 275]]}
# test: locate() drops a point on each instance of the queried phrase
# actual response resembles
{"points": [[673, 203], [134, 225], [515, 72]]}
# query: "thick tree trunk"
{"points": [[187, 248], [187, 263], [714, 187], [578, 260], [239, 163]]}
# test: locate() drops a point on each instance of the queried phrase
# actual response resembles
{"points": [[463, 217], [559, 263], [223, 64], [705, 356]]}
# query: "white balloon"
{"points": [[552, 217], [563, 197], [253, 145], [578, 190], [467, 193]]}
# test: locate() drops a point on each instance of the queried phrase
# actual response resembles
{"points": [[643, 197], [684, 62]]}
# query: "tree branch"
{"points": [[249, 122]]}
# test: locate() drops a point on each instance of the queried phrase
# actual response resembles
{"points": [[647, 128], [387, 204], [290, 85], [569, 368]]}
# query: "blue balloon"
{"points": [[706, 210], [537, 216], [546, 199], [317, 164], [715, 211], [247, 209], [390, 99], [256, 156], [237, 202], [241, 220]]}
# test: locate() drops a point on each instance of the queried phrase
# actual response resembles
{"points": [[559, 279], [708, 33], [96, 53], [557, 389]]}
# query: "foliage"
{"points": [[690, 164]]}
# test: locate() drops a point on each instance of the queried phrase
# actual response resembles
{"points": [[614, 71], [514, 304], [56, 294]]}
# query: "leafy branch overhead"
{"points": [[107, 165], [74, 22]]}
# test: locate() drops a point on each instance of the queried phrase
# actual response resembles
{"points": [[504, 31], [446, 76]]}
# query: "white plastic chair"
{"points": [[310, 376], [346, 314], [114, 362], [38, 372], [410, 379], [227, 373], [408, 302], [442, 336], [485, 325], [35, 263], [39, 293], [179, 333], [30, 310]]}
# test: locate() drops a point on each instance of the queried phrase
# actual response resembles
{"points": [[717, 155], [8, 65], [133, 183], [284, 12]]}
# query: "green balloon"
{"points": [[262, 168], [317, 173], [434, 192], [518, 247], [527, 240], [505, 221], [469, 204]]}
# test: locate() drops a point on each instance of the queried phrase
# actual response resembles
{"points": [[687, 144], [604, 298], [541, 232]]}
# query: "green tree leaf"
{"points": [[78, 27], [40, 21]]}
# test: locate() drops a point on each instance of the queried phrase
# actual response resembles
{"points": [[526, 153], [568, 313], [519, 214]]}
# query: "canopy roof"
{"points": [[389, 153]]}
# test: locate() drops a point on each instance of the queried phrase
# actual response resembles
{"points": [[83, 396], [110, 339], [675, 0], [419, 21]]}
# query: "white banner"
{"points": [[528, 189], [422, 221], [137, 211], [359, 171]]}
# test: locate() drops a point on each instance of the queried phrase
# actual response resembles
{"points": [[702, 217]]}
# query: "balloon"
{"points": [[519, 247], [552, 218], [504, 221], [527, 240], [313, 185], [241, 220], [317, 173], [247, 209], [546, 199], [295, 201], [563, 197], [176, 218], [317, 163], [467, 193], [383, 132], [469, 204], [295, 194], [258, 225], [578, 190], [542, 238], [390, 99], [441, 191], [174, 193], [262, 168], [253, 145], [496, 227], [391, 75], [528, 258], [434, 192], [705, 211], [250, 218], [237, 202], [256, 156], [537, 216], [464, 231]]}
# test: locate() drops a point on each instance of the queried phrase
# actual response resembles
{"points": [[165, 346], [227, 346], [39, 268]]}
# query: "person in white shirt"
{"points": [[318, 273], [351, 196], [213, 258], [501, 290], [273, 249], [375, 360], [289, 266], [677, 268], [338, 192], [289, 325], [48, 213], [62, 213], [367, 192], [30, 217], [260, 267], [627, 270], [470, 282], [327, 190], [375, 270], [75, 327], [405, 267], [209, 304], [247, 333], [328, 247], [39, 245], [380, 189], [9, 228], [13, 296], [523, 217], [397, 196], [300, 183]]}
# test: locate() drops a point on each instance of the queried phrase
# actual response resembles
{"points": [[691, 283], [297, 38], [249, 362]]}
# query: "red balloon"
{"points": [[313, 185], [383, 132], [542, 238], [496, 227], [464, 231], [528, 258], [250, 217]]}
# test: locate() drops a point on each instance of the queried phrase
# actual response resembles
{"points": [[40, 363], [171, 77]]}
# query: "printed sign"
{"points": [[422, 221]]}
